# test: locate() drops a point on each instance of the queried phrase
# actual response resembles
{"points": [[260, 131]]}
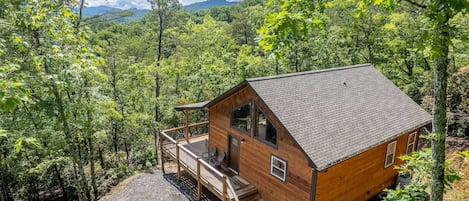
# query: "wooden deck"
{"points": [[188, 155]]}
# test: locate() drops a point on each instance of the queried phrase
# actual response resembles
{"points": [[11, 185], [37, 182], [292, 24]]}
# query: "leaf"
{"points": [[463, 154], [19, 144], [3, 133]]}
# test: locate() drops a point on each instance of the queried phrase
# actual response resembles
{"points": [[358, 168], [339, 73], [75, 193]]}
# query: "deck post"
{"points": [[199, 185], [162, 151], [225, 191], [178, 163], [186, 112]]}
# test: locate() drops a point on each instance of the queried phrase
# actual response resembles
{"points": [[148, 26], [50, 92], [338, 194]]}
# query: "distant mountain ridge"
{"points": [[99, 10], [138, 13], [208, 4]]}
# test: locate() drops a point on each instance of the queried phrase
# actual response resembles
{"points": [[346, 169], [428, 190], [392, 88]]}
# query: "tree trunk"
{"points": [[297, 64], [115, 97], [61, 182], [126, 151], [276, 66], [83, 175], [93, 173], [157, 76], [75, 180], [441, 44], [101, 158], [177, 84]]}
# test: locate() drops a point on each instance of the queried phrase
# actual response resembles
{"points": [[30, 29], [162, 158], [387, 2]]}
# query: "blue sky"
{"points": [[126, 4]]}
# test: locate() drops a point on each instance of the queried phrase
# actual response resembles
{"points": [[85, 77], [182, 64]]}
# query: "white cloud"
{"points": [[122, 4], [187, 2]]}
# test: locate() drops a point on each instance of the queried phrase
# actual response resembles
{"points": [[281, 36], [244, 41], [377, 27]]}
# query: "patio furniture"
{"points": [[210, 156], [219, 159]]}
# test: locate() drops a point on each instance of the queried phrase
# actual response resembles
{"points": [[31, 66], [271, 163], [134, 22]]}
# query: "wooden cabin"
{"points": [[327, 135]]}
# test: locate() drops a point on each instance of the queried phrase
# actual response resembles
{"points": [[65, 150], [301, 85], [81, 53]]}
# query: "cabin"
{"points": [[325, 135]]}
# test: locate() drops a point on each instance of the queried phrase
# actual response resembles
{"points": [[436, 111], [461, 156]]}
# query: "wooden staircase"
{"points": [[244, 190]]}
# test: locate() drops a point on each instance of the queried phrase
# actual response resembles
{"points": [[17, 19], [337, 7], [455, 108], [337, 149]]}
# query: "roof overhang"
{"points": [[192, 106]]}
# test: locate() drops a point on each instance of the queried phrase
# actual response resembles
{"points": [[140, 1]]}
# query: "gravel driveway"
{"points": [[154, 185]]}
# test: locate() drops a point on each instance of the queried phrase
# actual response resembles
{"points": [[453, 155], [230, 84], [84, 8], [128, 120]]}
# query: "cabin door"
{"points": [[233, 153]]}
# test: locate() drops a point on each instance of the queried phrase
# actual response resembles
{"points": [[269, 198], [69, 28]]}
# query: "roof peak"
{"points": [[308, 72]]}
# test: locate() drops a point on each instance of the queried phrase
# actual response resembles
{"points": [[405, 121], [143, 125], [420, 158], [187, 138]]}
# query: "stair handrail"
{"points": [[230, 187]]}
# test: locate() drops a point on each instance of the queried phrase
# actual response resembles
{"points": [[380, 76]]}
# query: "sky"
{"points": [[126, 4]]}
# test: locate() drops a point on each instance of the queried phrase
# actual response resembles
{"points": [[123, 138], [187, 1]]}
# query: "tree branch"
{"points": [[416, 4]]}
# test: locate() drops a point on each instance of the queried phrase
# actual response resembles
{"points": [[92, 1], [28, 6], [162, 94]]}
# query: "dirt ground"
{"points": [[460, 191]]}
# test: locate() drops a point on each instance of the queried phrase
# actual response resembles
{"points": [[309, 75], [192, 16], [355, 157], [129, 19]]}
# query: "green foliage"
{"points": [[66, 89], [22, 142], [418, 166]]}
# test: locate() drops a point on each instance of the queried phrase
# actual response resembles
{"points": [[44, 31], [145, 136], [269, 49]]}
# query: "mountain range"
{"points": [[208, 4], [138, 13]]}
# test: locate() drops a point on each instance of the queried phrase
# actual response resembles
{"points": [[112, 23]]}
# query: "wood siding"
{"points": [[255, 155], [360, 177]]}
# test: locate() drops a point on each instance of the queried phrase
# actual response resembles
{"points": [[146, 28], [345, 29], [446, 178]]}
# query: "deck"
{"points": [[187, 152]]}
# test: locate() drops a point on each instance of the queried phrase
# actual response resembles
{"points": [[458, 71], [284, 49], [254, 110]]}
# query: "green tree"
{"points": [[298, 17]]}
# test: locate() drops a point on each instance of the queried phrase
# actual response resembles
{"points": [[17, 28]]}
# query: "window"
{"points": [[278, 168], [390, 153], [241, 118], [265, 131], [411, 143]]}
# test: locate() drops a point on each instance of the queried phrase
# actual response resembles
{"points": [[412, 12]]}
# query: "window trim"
{"points": [[409, 142], [386, 165], [254, 133], [285, 164], [248, 132]]}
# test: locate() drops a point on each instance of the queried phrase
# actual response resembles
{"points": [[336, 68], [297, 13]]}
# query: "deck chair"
{"points": [[210, 156], [219, 160]]}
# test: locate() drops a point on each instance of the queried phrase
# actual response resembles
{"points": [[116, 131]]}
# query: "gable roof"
{"points": [[337, 113]]}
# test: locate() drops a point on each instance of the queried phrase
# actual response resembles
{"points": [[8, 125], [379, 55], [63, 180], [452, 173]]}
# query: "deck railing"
{"points": [[205, 174], [194, 130]]}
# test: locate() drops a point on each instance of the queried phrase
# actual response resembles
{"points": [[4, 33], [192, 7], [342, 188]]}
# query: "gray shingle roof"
{"points": [[337, 113]]}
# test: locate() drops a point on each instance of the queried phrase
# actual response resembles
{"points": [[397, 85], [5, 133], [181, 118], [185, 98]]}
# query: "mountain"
{"points": [[99, 10], [106, 11], [208, 4]]}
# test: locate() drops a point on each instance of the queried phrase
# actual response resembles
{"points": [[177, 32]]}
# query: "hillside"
{"points": [[107, 11], [138, 13], [99, 10], [208, 4]]}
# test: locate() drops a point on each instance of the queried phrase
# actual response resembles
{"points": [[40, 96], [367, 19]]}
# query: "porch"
{"points": [[188, 150]]}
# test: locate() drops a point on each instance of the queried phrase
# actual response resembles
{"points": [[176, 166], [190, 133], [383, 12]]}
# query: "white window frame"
{"points": [[411, 142], [272, 167], [390, 150]]}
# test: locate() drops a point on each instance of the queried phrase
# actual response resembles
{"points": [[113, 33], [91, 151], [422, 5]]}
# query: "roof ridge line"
{"points": [[308, 72]]}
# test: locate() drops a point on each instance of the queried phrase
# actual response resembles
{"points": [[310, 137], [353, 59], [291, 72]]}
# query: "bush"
{"points": [[418, 165]]}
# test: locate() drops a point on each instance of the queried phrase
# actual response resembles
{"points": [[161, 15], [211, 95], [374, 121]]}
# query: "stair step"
{"points": [[246, 191], [253, 197]]}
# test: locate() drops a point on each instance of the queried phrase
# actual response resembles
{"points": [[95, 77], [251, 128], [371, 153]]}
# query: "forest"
{"points": [[82, 99]]}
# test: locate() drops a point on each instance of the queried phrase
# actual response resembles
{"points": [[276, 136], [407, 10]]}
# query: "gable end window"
{"points": [[278, 168], [264, 129], [241, 118], [390, 154], [411, 143]]}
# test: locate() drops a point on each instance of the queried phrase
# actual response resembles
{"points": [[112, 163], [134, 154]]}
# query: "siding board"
{"points": [[360, 177], [255, 155]]}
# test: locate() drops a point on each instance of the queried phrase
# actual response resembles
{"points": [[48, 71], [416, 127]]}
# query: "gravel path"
{"points": [[150, 186], [154, 185]]}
